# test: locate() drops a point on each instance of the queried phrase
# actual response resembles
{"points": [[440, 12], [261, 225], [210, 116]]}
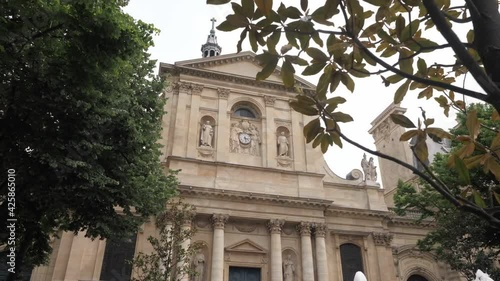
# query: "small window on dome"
{"points": [[243, 112]]}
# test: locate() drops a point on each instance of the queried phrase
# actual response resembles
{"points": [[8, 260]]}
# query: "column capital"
{"points": [[196, 88], [304, 228], [184, 87], [219, 220], [275, 225], [320, 229], [269, 100], [382, 238], [223, 93]]}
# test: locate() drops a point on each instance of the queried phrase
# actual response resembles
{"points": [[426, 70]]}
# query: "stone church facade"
{"points": [[268, 208]]}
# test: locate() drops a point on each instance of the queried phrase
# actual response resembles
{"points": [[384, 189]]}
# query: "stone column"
{"points": [[218, 222], [223, 126], [307, 255], [276, 259], [320, 232], [168, 229], [385, 259], [194, 120], [183, 275]]}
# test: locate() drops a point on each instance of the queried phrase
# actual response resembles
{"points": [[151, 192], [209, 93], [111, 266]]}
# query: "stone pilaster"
{"points": [[218, 223], [320, 232], [223, 127], [304, 229], [275, 226], [382, 241], [194, 120]]}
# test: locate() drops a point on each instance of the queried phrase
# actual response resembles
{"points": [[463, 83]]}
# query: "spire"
{"points": [[211, 48]]}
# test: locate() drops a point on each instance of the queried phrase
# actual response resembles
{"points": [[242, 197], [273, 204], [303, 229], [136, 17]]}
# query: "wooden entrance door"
{"points": [[244, 274]]}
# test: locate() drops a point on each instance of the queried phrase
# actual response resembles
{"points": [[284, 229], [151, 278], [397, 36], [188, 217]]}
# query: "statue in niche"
{"points": [[372, 169], [234, 141], [288, 269], [207, 133], [254, 143], [199, 265], [282, 145]]}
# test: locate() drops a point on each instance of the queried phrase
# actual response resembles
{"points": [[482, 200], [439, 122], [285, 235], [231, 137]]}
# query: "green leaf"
{"points": [[312, 129], [243, 35], [463, 172], [405, 61], [270, 66], [409, 30], [287, 74], [323, 82], [273, 40], [401, 92], [325, 143], [347, 81], [378, 2], [317, 140], [303, 5], [317, 54], [237, 20], [440, 133], [304, 109], [342, 117], [408, 135], [227, 26], [314, 68], [422, 66], [402, 121], [217, 2], [265, 6], [336, 139], [335, 81], [473, 124], [248, 8], [478, 199]]}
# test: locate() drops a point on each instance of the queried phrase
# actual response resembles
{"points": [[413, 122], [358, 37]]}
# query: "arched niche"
{"points": [[290, 265], [245, 135], [351, 259], [207, 136], [283, 142], [200, 261]]}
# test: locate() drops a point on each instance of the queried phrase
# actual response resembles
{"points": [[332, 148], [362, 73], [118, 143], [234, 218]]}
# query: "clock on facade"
{"points": [[244, 138]]}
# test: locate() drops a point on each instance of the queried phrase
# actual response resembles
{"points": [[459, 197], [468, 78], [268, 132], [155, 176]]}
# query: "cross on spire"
{"points": [[213, 20]]}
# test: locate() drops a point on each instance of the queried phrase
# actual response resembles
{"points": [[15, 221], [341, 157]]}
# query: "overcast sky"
{"points": [[185, 26]]}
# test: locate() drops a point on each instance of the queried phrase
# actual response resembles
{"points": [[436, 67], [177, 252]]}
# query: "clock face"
{"points": [[244, 138]]}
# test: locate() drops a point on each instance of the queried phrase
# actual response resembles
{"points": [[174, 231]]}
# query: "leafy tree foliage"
{"points": [[459, 239], [342, 39], [80, 117], [170, 260]]}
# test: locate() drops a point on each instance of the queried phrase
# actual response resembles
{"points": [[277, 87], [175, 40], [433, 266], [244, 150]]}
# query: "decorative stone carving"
{"points": [[288, 230], [199, 266], [201, 223], [223, 93], [320, 230], [369, 169], [184, 87], [207, 134], [283, 145], [219, 220], [269, 100], [383, 130], [196, 89], [244, 138], [284, 161], [206, 152], [304, 228], [355, 174], [275, 225], [245, 227], [382, 238]]}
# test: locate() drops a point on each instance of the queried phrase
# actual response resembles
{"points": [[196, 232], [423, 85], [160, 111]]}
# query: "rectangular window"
{"points": [[117, 256]]}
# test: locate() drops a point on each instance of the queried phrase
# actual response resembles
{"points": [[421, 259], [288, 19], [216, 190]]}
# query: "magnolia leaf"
{"points": [[243, 35], [402, 121], [406, 61], [317, 54], [473, 124], [473, 161], [478, 199], [248, 8], [325, 143], [227, 26], [427, 93], [408, 135], [466, 150], [422, 66], [336, 139], [287, 74], [401, 91], [341, 117], [273, 40], [312, 129], [304, 109], [317, 141], [420, 148], [428, 121], [493, 166], [270, 66], [323, 82], [347, 81], [265, 6], [297, 60], [440, 133], [303, 4], [313, 68], [217, 2], [409, 30], [335, 81], [305, 100]]}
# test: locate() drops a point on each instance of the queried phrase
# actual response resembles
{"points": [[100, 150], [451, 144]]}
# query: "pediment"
{"points": [[241, 64], [246, 246]]}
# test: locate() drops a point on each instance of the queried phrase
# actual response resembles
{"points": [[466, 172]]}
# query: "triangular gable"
{"points": [[241, 64], [246, 246]]}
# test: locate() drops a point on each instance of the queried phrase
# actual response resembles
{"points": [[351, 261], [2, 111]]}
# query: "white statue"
{"points": [[254, 144], [282, 145], [199, 266], [359, 276], [207, 133], [366, 167], [372, 169], [482, 276], [288, 269]]}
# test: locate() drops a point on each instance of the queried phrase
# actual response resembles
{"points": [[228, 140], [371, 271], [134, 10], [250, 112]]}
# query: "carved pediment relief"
{"points": [[246, 246]]}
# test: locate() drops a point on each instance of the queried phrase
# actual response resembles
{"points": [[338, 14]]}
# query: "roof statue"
{"points": [[211, 48]]}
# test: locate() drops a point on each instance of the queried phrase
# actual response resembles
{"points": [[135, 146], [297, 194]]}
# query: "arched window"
{"points": [[244, 112], [350, 256], [416, 277]]}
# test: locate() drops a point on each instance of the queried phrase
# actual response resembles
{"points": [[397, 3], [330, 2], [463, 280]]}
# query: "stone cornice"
{"points": [[224, 164], [232, 195], [216, 75], [359, 213]]}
